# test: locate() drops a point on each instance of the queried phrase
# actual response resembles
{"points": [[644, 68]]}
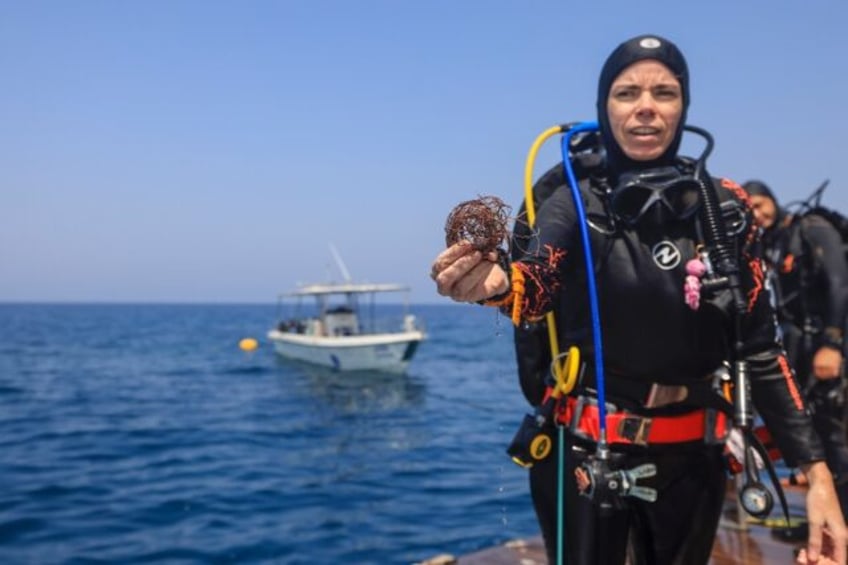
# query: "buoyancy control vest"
{"points": [[653, 269]]}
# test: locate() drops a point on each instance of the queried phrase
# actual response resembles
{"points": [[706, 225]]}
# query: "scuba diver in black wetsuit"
{"points": [[809, 276], [648, 220]]}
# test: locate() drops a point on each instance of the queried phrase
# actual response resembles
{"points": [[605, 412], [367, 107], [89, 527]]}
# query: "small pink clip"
{"points": [[696, 268], [692, 287], [692, 291]]}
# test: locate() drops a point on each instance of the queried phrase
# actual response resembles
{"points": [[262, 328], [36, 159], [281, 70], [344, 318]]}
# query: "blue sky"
{"points": [[201, 151]]}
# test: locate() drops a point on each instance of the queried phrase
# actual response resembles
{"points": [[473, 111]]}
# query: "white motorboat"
{"points": [[338, 332]]}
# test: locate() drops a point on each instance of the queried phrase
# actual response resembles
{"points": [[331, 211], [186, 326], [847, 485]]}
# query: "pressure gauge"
{"points": [[756, 500]]}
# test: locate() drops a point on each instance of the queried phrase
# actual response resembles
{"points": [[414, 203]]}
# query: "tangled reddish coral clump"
{"points": [[482, 221]]}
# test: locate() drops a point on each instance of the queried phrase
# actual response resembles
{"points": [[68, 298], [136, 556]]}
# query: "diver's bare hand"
{"points": [[828, 534], [824, 557], [466, 275], [827, 364]]}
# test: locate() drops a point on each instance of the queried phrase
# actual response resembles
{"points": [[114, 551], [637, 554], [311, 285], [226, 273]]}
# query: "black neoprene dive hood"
{"points": [[638, 49], [759, 188]]}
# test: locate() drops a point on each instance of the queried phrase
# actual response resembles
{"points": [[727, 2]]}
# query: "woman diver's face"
{"points": [[644, 106], [765, 210]]}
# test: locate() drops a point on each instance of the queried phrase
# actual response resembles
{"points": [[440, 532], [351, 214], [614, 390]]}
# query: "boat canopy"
{"points": [[346, 288]]}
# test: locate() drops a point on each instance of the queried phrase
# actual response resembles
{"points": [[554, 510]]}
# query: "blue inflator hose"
{"points": [[590, 273], [596, 330]]}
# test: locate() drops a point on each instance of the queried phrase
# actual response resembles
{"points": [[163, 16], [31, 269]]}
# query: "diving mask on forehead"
{"points": [[661, 193]]}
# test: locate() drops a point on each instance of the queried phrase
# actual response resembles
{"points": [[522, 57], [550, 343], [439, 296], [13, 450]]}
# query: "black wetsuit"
{"points": [[650, 335], [809, 274]]}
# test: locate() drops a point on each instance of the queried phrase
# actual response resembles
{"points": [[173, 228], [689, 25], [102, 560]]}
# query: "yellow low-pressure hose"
{"points": [[568, 383], [528, 171], [564, 383]]}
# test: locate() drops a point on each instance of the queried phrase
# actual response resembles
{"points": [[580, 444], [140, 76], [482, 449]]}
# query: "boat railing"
{"points": [[391, 324], [309, 326]]}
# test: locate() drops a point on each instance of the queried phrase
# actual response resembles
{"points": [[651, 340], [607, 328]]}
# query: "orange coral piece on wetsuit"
{"points": [[790, 382], [737, 190], [742, 194], [554, 256], [542, 280], [502, 303], [757, 272], [788, 263], [517, 293], [533, 307]]}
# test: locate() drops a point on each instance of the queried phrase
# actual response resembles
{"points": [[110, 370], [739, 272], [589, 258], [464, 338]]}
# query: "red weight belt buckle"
{"points": [[626, 428]]}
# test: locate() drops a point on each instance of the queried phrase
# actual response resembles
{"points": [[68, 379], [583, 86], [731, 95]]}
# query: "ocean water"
{"points": [[143, 434]]}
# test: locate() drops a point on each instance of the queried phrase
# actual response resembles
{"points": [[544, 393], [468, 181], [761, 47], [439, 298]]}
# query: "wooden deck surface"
{"points": [[735, 544]]}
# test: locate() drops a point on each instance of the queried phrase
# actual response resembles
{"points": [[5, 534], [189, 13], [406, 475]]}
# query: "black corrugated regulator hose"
{"points": [[721, 251]]}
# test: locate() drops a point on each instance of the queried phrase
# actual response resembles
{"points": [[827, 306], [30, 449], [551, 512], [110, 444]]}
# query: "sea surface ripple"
{"points": [[142, 434]]}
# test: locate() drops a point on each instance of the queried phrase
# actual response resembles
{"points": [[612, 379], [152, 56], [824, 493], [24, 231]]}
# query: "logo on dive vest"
{"points": [[666, 255]]}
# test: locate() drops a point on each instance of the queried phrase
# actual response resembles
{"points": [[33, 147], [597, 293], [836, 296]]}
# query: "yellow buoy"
{"points": [[248, 344]]}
